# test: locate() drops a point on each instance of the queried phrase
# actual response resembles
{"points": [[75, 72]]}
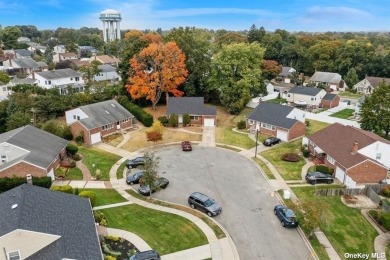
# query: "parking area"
{"points": [[236, 183]]}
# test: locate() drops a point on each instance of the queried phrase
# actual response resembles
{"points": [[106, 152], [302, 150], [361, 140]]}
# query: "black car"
{"points": [[158, 183], [146, 255], [318, 177], [132, 179], [286, 216], [134, 163], [270, 141], [204, 203]]}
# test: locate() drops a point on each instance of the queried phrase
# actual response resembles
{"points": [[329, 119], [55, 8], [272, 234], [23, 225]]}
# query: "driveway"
{"points": [[236, 183]]}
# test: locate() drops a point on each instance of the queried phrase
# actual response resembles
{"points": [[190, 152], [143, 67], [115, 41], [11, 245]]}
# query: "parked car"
{"points": [[270, 141], [158, 183], [204, 203], [146, 255], [132, 179], [134, 163], [186, 146], [318, 177], [286, 216]]}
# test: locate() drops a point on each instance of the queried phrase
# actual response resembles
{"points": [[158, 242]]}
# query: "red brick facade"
{"points": [[297, 130], [21, 169], [331, 103], [367, 172]]}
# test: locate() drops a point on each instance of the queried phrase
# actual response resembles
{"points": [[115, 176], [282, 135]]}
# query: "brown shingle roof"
{"points": [[375, 81], [105, 59], [336, 140], [68, 54]]}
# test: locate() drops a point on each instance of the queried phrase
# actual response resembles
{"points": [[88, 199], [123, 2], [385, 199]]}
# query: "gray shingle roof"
{"points": [[52, 212], [58, 74], [98, 115], [328, 77], [189, 105], [285, 72], [43, 146], [106, 68], [309, 91], [17, 81], [273, 114], [25, 63], [329, 97], [24, 53]]}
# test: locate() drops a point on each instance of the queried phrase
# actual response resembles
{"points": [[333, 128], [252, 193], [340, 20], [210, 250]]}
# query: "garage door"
{"points": [[95, 138], [208, 122], [283, 135]]}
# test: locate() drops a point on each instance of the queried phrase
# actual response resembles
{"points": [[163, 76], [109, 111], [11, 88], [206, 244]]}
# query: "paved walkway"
{"points": [[383, 239], [208, 136], [86, 173]]}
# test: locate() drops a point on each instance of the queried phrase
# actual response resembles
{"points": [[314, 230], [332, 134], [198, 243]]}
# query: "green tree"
{"points": [[375, 111], [150, 170], [351, 78], [236, 73], [9, 37], [4, 77], [255, 35], [18, 119], [270, 69], [3, 116]]}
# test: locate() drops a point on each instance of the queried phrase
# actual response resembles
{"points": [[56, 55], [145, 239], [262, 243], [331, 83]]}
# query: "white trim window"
{"points": [[13, 255], [251, 122], [330, 159], [378, 156], [196, 118], [4, 158], [268, 126]]}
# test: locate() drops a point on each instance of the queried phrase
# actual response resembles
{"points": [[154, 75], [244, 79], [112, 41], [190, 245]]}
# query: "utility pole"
{"points": [[257, 137]]}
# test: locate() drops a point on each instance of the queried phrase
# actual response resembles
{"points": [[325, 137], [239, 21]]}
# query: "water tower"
{"points": [[111, 25]]}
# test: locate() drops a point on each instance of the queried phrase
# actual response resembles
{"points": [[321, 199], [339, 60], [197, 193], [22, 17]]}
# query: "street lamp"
{"points": [[93, 169]]}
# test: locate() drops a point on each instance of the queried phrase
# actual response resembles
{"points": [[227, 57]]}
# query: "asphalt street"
{"points": [[237, 184]]}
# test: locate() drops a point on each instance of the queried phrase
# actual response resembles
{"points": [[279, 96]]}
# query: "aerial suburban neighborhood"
{"points": [[175, 139]]}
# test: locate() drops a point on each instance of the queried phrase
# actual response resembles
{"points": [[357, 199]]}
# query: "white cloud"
{"points": [[336, 11]]}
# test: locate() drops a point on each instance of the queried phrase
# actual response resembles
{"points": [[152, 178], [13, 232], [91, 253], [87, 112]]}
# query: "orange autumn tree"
{"points": [[159, 68]]}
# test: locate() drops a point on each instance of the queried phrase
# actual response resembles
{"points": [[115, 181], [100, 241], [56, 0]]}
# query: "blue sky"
{"points": [[304, 15]]}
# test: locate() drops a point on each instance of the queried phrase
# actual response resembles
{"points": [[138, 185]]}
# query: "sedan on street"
{"points": [[133, 179], [286, 216], [134, 163], [158, 183], [318, 177]]}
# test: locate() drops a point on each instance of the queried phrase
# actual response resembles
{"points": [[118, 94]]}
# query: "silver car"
{"points": [[205, 203]]}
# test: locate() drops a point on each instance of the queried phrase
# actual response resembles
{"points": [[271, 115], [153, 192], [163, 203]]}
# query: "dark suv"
{"points": [[134, 163], [146, 255], [318, 177], [204, 203], [270, 141]]}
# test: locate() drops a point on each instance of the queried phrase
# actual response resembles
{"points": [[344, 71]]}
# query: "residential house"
{"points": [[200, 114], [305, 96], [330, 100], [80, 62], [59, 49], [60, 57], [97, 120], [38, 223], [106, 60], [22, 53], [330, 79], [37, 48], [29, 150], [25, 65], [61, 79], [285, 75], [369, 84], [358, 157], [106, 73], [284, 122], [23, 40]]}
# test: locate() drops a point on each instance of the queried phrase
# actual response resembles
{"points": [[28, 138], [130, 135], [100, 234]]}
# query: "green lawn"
{"points": [[227, 136], [277, 101], [101, 159], [164, 232], [74, 174], [315, 126], [349, 94], [106, 196], [246, 111], [344, 114], [288, 170], [345, 227], [265, 168], [119, 172]]}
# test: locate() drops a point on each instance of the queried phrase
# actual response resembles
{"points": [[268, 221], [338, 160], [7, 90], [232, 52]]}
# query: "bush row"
{"points": [[10, 183], [324, 169], [145, 118]]}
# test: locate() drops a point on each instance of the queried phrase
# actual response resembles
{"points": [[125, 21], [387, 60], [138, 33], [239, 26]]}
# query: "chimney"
{"points": [[10, 61], [33, 75], [355, 147], [29, 179]]}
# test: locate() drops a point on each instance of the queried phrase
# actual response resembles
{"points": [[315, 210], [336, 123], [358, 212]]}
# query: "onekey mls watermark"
{"points": [[365, 256]]}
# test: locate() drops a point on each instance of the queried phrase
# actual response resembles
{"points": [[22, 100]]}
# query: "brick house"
{"points": [[330, 100], [271, 119], [38, 223], [358, 157], [97, 120], [29, 150], [200, 114]]}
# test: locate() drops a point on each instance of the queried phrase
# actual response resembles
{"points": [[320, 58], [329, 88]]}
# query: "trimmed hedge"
{"points": [[64, 188], [241, 124], [90, 195], [145, 118], [173, 120], [71, 149], [10, 183], [386, 191], [384, 220], [324, 169]]}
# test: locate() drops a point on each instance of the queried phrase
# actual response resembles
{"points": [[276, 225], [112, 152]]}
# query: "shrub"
{"points": [[145, 118], [241, 124], [374, 214], [291, 157], [100, 218], [108, 257], [306, 153], [90, 195], [186, 119], [67, 134], [163, 120], [64, 188], [386, 191], [76, 157], [79, 139], [112, 238], [76, 191], [7, 183], [323, 169], [384, 220], [72, 164], [44, 182], [173, 120], [60, 172], [71, 149], [307, 123]]}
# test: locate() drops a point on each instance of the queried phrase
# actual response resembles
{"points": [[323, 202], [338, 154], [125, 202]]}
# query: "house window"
{"points": [[330, 159], [49, 82], [196, 118], [268, 126], [71, 79], [378, 156], [77, 79], [251, 122], [4, 158], [78, 117], [288, 95], [13, 255], [74, 116]]}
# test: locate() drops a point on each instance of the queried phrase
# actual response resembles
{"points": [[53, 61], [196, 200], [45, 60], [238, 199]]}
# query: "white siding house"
{"points": [[297, 114], [74, 115], [377, 151], [61, 79], [305, 96], [107, 73]]}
